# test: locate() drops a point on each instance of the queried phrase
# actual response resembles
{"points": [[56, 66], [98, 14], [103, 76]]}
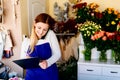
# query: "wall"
{"points": [[51, 5], [105, 4]]}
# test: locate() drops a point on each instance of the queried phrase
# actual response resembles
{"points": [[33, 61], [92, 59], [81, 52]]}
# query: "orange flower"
{"points": [[96, 36], [93, 5], [104, 38], [115, 12], [99, 35], [92, 38], [102, 33], [118, 15]]}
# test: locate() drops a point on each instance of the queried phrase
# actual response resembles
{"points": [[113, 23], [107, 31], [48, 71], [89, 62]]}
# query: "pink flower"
{"points": [[102, 33], [96, 36], [92, 38], [92, 14], [104, 38]]}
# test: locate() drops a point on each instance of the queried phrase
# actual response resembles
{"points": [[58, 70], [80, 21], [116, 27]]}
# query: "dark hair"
{"points": [[45, 18]]}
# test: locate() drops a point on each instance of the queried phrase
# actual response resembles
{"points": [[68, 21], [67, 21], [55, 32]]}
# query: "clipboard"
{"points": [[28, 63]]}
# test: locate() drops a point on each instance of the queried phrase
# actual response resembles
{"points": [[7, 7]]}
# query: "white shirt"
{"points": [[52, 39]]}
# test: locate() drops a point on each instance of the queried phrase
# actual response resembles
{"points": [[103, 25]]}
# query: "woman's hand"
{"points": [[27, 57], [43, 64]]}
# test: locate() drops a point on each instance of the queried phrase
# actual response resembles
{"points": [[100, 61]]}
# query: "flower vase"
{"points": [[87, 54], [103, 56], [116, 57]]}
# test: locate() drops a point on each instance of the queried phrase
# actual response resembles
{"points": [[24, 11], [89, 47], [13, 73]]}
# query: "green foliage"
{"points": [[99, 29], [87, 29], [87, 54], [68, 70], [82, 15], [108, 18]]}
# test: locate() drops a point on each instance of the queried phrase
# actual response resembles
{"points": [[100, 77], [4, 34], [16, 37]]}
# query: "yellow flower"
{"points": [[118, 15], [107, 24], [110, 9], [109, 12], [93, 5], [115, 12], [116, 19], [96, 10], [113, 22]]}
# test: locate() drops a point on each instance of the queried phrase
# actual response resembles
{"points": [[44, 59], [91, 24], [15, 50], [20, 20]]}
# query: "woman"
{"points": [[43, 44]]}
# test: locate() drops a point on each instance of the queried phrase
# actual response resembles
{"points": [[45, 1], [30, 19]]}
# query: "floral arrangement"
{"points": [[99, 29], [82, 10], [87, 29], [108, 19], [103, 38]]}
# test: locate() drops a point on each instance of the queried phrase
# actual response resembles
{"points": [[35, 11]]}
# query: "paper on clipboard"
{"points": [[28, 63]]}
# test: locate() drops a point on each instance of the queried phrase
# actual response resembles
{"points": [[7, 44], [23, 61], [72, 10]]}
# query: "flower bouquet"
{"points": [[110, 19], [103, 42], [87, 29]]}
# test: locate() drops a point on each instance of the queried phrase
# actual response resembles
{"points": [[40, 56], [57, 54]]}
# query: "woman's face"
{"points": [[41, 29]]}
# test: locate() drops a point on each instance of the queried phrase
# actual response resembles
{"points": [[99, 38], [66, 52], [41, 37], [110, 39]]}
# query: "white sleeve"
{"points": [[24, 48], [56, 53]]}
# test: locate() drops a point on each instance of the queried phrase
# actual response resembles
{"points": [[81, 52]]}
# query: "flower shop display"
{"points": [[103, 42], [87, 29], [100, 29], [116, 46], [87, 54], [108, 19]]}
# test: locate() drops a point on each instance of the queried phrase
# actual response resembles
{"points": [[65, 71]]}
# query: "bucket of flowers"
{"points": [[87, 29], [110, 19], [103, 41], [116, 45]]}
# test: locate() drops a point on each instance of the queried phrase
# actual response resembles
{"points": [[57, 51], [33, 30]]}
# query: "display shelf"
{"points": [[96, 70]]}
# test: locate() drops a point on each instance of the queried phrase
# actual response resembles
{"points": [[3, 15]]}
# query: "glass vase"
{"points": [[87, 55], [103, 56], [116, 57]]}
